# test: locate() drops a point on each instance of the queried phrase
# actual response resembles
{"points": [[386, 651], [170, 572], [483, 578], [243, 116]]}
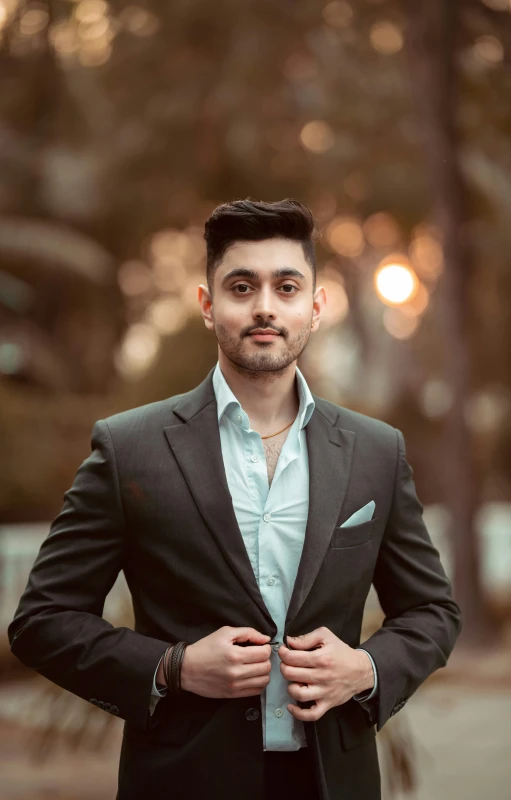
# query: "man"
{"points": [[245, 512]]}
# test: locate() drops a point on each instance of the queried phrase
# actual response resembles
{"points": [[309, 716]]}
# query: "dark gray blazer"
{"points": [[152, 500]]}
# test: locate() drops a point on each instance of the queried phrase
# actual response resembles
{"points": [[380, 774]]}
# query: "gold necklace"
{"points": [[276, 434]]}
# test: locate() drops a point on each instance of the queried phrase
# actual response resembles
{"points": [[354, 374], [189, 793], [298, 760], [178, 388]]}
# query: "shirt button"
{"points": [[239, 417], [255, 458], [278, 712], [275, 647], [270, 581], [267, 517]]}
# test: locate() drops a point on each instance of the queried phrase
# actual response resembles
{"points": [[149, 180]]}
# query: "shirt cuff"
{"points": [[155, 691], [361, 697]]}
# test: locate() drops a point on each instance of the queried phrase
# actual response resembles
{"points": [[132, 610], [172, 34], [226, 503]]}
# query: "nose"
{"points": [[264, 307]]}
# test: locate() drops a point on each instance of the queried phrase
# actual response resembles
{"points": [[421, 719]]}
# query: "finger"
{"points": [[307, 641], [306, 714], [248, 635], [297, 658], [254, 653], [298, 674], [304, 693]]}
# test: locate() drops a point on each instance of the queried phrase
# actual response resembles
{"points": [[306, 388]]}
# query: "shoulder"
{"points": [[376, 431], [142, 419]]}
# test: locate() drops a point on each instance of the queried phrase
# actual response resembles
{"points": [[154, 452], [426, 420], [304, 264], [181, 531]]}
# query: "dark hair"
{"points": [[253, 221]]}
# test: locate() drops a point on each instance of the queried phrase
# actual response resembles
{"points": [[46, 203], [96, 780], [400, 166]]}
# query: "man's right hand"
{"points": [[216, 666]]}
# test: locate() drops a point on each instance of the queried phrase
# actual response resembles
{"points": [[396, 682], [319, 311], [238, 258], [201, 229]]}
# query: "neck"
{"points": [[270, 399]]}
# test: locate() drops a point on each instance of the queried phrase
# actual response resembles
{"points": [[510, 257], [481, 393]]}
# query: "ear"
{"points": [[318, 307], [206, 305]]}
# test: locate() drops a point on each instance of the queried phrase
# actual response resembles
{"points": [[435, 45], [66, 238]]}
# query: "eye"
{"points": [[241, 288], [289, 288]]}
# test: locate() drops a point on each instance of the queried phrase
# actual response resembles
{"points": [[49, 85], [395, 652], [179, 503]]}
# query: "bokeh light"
{"points": [[138, 351], [399, 324], [317, 136], [134, 278], [33, 21], [498, 5], [426, 252], [395, 283], [338, 14], [386, 38], [168, 315], [381, 230], [139, 21], [344, 235], [488, 49]]}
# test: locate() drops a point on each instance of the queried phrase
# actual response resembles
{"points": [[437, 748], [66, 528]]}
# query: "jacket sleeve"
{"points": [[58, 629], [422, 621]]}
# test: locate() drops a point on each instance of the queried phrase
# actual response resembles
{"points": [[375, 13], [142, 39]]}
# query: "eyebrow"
{"points": [[244, 272]]}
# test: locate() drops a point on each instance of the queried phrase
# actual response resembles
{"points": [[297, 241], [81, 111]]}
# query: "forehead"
{"points": [[265, 256]]}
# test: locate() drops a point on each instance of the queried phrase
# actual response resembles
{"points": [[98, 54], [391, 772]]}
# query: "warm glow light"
{"points": [[381, 230], [94, 53], [426, 253], [338, 14], [169, 274], [498, 5], [33, 21], [139, 21], [90, 11], [337, 305], [134, 278], [435, 398], [489, 49], [344, 236], [100, 29], [395, 283], [418, 303], [168, 315], [138, 351], [7, 7], [317, 136], [63, 38], [386, 38], [399, 325]]}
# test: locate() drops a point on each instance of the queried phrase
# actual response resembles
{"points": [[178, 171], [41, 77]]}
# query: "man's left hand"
{"points": [[323, 668]]}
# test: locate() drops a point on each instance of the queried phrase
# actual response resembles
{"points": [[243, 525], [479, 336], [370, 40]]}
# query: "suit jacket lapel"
{"points": [[197, 449], [195, 443], [330, 451]]}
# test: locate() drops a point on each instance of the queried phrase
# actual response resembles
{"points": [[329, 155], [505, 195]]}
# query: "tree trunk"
{"points": [[431, 42]]}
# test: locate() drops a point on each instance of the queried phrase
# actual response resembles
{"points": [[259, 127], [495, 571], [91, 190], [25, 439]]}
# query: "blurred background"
{"points": [[122, 126]]}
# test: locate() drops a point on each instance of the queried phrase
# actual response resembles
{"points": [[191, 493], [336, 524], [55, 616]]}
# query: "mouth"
{"points": [[266, 335]]}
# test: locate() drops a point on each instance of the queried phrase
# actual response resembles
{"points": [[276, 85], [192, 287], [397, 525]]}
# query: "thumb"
{"points": [[250, 635], [307, 641]]}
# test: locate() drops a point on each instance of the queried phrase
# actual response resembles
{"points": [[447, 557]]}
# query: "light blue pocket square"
{"points": [[364, 514]]}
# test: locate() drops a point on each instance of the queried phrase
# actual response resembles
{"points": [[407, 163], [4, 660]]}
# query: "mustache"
{"points": [[261, 327]]}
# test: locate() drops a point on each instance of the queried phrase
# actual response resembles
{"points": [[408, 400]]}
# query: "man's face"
{"points": [[263, 306]]}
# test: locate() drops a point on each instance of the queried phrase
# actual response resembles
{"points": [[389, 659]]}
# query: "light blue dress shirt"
{"points": [[272, 521]]}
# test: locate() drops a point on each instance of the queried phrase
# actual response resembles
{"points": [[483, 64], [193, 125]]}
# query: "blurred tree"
{"points": [[123, 124]]}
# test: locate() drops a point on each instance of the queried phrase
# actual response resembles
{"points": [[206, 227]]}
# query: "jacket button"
{"points": [[93, 700], [114, 710], [106, 706], [251, 714]]}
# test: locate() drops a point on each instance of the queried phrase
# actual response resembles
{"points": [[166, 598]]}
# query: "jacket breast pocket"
{"points": [[353, 535]]}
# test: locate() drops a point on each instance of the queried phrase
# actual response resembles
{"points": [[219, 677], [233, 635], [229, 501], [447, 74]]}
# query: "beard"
{"points": [[263, 363]]}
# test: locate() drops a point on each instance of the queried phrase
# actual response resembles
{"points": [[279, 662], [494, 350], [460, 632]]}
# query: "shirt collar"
{"points": [[225, 396]]}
